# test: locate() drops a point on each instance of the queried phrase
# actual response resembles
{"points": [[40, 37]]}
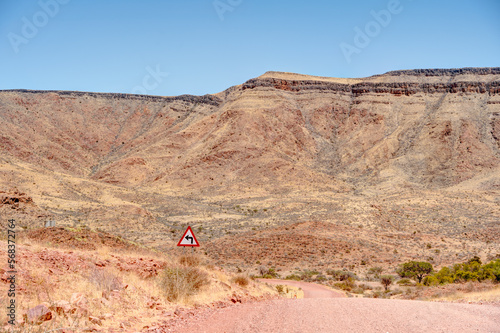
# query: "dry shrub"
{"points": [[241, 280], [346, 285], [190, 260], [104, 279], [180, 282]]}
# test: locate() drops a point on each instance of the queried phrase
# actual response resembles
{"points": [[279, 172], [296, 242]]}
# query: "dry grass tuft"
{"points": [[190, 260], [241, 280], [178, 283], [469, 292], [104, 279]]}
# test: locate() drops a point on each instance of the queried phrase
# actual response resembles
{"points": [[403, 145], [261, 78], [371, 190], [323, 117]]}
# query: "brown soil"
{"points": [[83, 239]]}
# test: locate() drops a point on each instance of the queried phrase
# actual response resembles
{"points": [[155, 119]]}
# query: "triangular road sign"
{"points": [[188, 239]]}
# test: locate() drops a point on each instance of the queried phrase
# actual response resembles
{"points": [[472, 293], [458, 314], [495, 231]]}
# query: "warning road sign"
{"points": [[188, 239]]}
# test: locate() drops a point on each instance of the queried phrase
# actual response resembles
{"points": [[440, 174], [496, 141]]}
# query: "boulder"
{"points": [[38, 315]]}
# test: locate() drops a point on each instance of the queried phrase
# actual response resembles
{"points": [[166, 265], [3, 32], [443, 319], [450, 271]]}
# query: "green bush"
{"points": [[492, 270], [415, 269], [347, 284], [271, 274], [471, 270], [430, 281]]}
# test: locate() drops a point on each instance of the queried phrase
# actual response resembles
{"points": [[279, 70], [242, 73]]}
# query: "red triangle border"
{"points": [[192, 233]]}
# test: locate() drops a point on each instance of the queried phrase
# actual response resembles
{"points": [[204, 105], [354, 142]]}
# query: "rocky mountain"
{"points": [[158, 163]]}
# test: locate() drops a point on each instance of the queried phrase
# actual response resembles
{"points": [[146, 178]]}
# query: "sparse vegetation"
{"points": [[347, 284], [386, 281], [180, 282], [405, 282], [294, 277], [375, 271], [472, 270], [190, 260], [266, 273], [104, 279], [241, 280], [341, 275]]}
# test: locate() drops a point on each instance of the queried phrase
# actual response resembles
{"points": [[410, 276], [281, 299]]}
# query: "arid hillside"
{"points": [[414, 151]]}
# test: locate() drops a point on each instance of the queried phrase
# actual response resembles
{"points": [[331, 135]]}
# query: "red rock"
{"points": [[95, 320], [61, 307], [38, 315]]}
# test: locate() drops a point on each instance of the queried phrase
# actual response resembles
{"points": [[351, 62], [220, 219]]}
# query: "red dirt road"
{"points": [[311, 290], [326, 311], [350, 315]]}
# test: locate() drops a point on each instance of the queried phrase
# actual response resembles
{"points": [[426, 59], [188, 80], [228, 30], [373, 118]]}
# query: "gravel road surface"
{"points": [[323, 310], [351, 315], [311, 290]]}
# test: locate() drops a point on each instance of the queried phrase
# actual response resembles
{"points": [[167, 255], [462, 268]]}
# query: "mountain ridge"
{"points": [[263, 144]]}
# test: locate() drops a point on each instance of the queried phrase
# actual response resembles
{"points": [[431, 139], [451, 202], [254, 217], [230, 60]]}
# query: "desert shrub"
{"points": [[358, 290], [404, 282], [473, 260], [375, 271], [415, 269], [294, 277], [181, 282], [270, 274], [341, 275], [320, 278], [307, 274], [365, 286], [492, 270], [190, 260], [386, 281], [462, 276], [430, 280], [471, 270], [241, 280], [280, 288], [444, 275], [378, 294], [104, 279], [347, 284]]}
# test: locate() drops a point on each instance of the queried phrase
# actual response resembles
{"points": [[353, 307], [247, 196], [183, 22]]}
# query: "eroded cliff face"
{"points": [[431, 128], [427, 127]]}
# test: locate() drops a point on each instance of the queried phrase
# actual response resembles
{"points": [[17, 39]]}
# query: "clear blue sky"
{"points": [[206, 46]]}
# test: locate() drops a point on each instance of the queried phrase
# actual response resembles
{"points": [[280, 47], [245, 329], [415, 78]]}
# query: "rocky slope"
{"points": [[157, 163]]}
